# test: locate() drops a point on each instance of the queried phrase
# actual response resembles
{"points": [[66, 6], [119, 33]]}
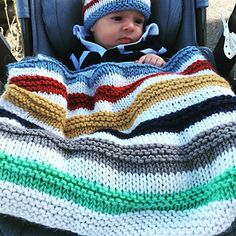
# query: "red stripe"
{"points": [[113, 94], [85, 7], [104, 93], [36, 83], [197, 66]]}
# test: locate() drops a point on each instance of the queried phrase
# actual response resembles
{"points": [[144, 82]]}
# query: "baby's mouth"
{"points": [[125, 40]]}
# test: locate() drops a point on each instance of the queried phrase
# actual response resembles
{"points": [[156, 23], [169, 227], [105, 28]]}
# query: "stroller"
{"points": [[47, 27]]}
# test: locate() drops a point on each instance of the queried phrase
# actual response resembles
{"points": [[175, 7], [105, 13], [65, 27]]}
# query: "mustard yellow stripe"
{"points": [[153, 94], [38, 107], [55, 116]]}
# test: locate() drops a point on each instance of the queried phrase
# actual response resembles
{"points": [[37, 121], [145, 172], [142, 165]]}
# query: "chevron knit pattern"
{"points": [[119, 148]]}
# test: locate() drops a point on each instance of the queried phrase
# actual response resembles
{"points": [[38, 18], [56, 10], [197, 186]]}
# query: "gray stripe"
{"points": [[155, 158]]}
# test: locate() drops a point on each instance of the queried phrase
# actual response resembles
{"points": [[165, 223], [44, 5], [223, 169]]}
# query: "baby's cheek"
{"points": [[139, 33]]}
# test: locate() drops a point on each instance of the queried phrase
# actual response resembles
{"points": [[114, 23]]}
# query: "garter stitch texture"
{"points": [[119, 148]]}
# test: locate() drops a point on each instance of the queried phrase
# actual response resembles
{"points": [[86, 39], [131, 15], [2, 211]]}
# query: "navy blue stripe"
{"points": [[180, 120], [25, 123]]}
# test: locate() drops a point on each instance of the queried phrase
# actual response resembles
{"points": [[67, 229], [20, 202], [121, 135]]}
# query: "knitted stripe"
{"points": [[39, 83], [29, 121], [168, 138], [27, 79], [107, 176], [197, 66], [27, 124], [35, 71], [186, 158], [161, 108], [113, 94], [36, 106], [165, 138], [135, 72], [145, 222], [113, 119], [98, 198], [180, 120], [120, 121], [57, 99], [154, 222]]}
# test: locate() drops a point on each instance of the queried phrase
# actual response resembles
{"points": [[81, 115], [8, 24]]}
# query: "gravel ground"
{"points": [[215, 11]]}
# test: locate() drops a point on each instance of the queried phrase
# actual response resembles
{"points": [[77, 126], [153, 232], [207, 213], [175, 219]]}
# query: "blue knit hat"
{"points": [[93, 10]]}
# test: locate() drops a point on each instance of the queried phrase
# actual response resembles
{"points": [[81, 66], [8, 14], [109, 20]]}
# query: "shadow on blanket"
{"points": [[119, 149]]}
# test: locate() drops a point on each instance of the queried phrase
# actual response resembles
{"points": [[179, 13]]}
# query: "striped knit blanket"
{"points": [[119, 148]]}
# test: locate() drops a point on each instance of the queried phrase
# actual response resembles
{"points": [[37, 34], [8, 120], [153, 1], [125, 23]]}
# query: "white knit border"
{"points": [[37, 207]]}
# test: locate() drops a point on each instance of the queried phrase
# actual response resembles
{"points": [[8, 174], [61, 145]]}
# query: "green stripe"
{"points": [[49, 180]]}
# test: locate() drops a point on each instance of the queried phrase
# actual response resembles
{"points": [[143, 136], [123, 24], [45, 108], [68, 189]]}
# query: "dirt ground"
{"points": [[215, 11]]}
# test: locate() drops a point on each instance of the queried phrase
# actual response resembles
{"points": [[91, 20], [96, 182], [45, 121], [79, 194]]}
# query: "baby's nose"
{"points": [[129, 25]]}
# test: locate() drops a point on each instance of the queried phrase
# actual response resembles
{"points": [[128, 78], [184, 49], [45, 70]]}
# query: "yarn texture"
{"points": [[93, 10], [119, 148]]}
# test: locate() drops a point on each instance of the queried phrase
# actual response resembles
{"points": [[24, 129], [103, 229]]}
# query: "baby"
{"points": [[116, 31]]}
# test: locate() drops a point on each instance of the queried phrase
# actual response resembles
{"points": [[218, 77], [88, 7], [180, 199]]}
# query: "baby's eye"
{"points": [[139, 21], [117, 18]]}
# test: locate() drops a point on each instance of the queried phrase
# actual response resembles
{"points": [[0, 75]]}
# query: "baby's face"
{"points": [[121, 27]]}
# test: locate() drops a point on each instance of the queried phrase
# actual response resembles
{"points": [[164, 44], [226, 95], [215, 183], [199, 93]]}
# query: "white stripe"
{"points": [[107, 79], [81, 87], [119, 80], [41, 208], [54, 98], [160, 108], [190, 61], [59, 77], [82, 167], [10, 122], [177, 139], [178, 103], [36, 71], [167, 138]]}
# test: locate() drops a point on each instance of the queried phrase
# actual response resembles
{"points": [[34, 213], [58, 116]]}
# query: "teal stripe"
{"points": [[94, 196]]}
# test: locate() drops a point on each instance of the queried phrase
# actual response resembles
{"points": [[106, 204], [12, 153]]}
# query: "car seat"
{"points": [[47, 25]]}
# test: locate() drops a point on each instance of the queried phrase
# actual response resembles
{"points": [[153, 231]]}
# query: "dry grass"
{"points": [[13, 34]]}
